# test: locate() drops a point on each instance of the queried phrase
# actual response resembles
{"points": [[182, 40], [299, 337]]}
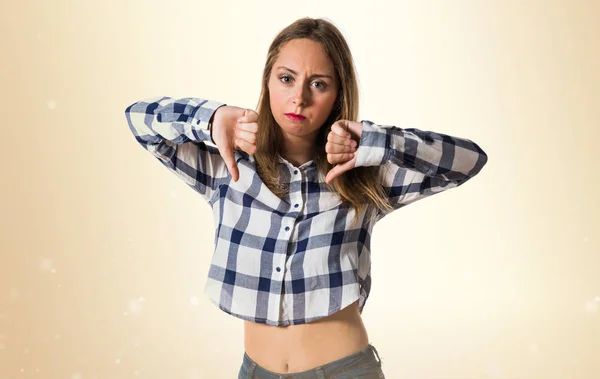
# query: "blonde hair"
{"points": [[358, 187]]}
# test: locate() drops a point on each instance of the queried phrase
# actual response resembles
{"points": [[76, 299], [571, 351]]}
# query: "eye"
{"points": [[323, 85]]}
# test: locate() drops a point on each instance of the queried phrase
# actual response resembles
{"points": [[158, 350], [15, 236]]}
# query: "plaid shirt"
{"points": [[296, 259]]}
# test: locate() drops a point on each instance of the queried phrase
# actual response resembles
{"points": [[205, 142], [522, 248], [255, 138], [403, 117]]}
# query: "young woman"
{"points": [[295, 190]]}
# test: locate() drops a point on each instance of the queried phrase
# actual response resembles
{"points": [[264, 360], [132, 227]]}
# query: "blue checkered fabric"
{"points": [[296, 259]]}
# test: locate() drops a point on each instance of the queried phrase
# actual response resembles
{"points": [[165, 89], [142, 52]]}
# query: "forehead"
{"points": [[304, 55]]}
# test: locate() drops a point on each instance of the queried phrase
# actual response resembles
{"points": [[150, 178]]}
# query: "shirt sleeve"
{"points": [[416, 163], [175, 131]]}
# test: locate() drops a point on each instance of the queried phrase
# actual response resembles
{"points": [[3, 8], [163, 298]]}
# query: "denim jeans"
{"points": [[364, 364]]}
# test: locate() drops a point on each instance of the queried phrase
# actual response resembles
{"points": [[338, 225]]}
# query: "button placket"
{"points": [[287, 228], [278, 268]]}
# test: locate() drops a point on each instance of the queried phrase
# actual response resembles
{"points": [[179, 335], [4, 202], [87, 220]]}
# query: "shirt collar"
{"points": [[302, 166], [240, 154]]}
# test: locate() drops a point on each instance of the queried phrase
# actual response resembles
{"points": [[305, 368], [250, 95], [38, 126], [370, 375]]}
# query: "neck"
{"points": [[297, 150]]}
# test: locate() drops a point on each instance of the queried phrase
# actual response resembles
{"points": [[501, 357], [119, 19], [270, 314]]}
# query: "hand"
{"points": [[341, 147], [234, 128]]}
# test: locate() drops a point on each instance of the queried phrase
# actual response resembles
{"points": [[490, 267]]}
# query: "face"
{"points": [[302, 81]]}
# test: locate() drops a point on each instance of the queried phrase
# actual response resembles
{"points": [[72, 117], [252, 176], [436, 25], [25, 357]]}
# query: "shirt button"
{"points": [[278, 269], [287, 228], [295, 205], [295, 171]]}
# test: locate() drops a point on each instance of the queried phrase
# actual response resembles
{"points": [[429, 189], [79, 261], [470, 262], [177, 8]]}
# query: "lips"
{"points": [[295, 117]]}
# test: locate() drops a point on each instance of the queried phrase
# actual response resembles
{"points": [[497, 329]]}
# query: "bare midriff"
{"points": [[296, 348]]}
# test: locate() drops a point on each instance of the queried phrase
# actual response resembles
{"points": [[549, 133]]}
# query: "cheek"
{"points": [[326, 104], [275, 101], [274, 97]]}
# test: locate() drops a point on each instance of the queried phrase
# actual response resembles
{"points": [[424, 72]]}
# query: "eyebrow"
{"points": [[313, 76]]}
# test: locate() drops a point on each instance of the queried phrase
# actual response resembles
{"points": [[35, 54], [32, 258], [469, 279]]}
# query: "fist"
{"points": [[341, 147], [234, 128]]}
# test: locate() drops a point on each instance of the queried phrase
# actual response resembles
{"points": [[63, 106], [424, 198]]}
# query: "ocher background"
{"points": [[104, 253]]}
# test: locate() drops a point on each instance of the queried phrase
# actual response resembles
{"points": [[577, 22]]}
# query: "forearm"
{"points": [[452, 159], [178, 120]]}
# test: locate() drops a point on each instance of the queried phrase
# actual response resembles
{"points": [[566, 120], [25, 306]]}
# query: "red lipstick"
{"points": [[295, 117]]}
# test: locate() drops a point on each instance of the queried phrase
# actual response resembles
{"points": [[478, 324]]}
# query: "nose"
{"points": [[300, 95]]}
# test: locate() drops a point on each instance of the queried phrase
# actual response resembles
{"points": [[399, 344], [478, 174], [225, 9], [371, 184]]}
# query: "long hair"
{"points": [[359, 187]]}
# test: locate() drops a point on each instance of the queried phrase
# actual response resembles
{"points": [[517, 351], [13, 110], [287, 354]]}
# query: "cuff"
{"points": [[373, 146], [203, 114]]}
